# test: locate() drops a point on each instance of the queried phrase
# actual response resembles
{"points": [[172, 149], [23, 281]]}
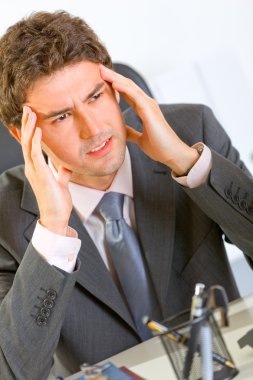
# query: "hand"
{"points": [[52, 195], [158, 140]]}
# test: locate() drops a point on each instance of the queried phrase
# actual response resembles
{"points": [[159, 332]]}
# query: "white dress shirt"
{"points": [[62, 251]]}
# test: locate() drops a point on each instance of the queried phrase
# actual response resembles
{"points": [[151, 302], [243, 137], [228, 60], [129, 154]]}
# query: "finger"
{"points": [[116, 79], [133, 135], [108, 74], [146, 107], [27, 132], [24, 116], [132, 93], [26, 120], [64, 176], [37, 157]]}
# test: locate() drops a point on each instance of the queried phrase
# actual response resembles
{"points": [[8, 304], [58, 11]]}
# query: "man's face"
{"points": [[82, 125]]}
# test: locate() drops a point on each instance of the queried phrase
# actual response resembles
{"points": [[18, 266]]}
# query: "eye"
{"points": [[95, 97], [61, 118]]}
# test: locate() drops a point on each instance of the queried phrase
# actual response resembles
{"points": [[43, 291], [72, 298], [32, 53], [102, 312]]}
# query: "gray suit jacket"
{"points": [[180, 231]]}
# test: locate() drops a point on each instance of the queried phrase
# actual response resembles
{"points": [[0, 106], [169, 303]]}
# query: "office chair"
{"points": [[10, 150]]}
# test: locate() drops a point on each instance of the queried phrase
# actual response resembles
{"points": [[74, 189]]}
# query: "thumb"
{"points": [[64, 176], [133, 135]]}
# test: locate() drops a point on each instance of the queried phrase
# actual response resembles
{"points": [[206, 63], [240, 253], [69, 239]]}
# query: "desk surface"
{"points": [[149, 360]]}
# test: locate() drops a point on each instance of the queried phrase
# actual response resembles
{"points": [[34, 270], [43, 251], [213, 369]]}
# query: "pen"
{"points": [[179, 338], [198, 301], [158, 327], [200, 336]]}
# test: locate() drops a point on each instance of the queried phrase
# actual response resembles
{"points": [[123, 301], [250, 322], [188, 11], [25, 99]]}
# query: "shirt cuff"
{"points": [[200, 170], [60, 251]]}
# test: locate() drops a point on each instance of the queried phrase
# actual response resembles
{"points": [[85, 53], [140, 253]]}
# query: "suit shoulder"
{"points": [[194, 110], [187, 120], [11, 180], [178, 114]]}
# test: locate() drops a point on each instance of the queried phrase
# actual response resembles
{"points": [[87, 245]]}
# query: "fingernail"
{"points": [[31, 116], [25, 109]]}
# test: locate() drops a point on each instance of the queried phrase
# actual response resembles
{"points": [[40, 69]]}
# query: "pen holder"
{"points": [[188, 356]]}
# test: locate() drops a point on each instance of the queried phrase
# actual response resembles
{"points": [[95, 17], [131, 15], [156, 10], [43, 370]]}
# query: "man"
{"points": [[59, 95]]}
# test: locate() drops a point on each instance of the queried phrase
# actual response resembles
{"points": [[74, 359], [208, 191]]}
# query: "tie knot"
{"points": [[111, 206]]}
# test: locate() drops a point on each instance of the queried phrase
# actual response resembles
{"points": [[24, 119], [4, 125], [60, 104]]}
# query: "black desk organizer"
{"points": [[176, 342]]}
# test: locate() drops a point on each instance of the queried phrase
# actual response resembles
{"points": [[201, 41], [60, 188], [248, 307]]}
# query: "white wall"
{"points": [[204, 49], [160, 36], [156, 35]]}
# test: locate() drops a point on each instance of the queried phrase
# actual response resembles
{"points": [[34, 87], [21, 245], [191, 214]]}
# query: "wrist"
{"points": [[184, 159], [59, 228]]}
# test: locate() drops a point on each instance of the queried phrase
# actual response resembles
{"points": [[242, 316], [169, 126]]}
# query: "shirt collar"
{"points": [[85, 199]]}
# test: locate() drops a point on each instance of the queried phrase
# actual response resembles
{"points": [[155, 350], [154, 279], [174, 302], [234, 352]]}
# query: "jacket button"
{"points": [[228, 192], [45, 312], [51, 293], [48, 303], [41, 320], [242, 204], [235, 198], [249, 209]]}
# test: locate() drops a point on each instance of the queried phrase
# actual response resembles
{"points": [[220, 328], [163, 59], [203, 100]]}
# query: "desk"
{"points": [[149, 360]]}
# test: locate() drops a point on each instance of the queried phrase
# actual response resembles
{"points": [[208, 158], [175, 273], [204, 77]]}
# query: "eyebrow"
{"points": [[64, 110]]}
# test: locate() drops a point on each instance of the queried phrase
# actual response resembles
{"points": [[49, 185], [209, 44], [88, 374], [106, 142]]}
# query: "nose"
{"points": [[88, 124]]}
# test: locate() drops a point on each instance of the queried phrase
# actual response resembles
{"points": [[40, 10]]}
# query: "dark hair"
{"points": [[38, 46]]}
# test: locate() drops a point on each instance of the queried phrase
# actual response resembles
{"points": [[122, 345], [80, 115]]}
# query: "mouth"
{"points": [[101, 148]]}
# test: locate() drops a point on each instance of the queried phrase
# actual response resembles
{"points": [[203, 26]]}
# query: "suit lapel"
{"points": [[93, 274], [155, 218]]}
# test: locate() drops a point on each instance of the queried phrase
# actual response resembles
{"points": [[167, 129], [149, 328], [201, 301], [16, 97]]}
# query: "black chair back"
{"points": [[10, 150]]}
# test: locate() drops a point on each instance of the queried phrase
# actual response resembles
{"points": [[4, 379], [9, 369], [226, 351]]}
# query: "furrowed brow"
{"points": [[64, 110], [95, 90], [55, 113]]}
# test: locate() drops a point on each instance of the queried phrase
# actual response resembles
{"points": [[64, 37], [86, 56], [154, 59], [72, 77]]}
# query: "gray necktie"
{"points": [[127, 260]]}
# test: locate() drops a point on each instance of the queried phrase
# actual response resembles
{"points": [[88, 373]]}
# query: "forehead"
{"points": [[73, 81]]}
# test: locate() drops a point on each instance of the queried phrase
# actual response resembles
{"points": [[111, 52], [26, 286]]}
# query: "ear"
{"points": [[15, 132]]}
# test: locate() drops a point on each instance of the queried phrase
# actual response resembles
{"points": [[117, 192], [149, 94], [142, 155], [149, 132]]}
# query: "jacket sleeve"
{"points": [[33, 302], [227, 195]]}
